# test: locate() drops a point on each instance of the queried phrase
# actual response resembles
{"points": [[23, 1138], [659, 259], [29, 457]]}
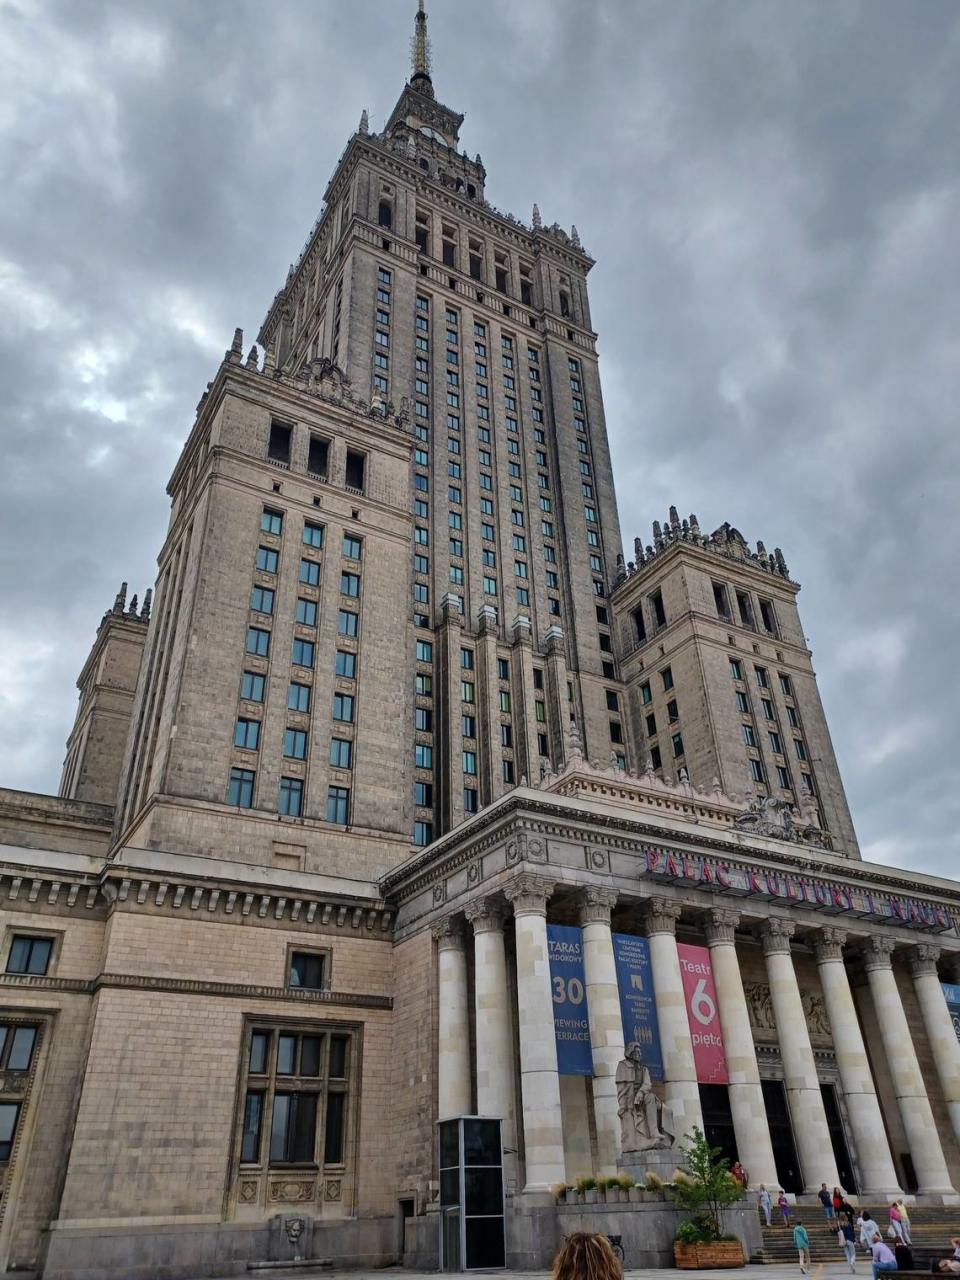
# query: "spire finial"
{"points": [[421, 53]]}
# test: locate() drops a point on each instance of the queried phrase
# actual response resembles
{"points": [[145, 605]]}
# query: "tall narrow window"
{"points": [[659, 613], [278, 449], [355, 470]]}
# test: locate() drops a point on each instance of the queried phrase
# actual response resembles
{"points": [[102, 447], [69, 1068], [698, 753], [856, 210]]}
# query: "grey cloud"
{"points": [[771, 191]]}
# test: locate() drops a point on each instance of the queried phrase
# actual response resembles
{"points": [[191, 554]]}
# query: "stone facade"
{"points": [[383, 726]]}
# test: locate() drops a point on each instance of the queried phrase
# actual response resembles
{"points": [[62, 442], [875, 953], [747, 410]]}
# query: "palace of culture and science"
{"points": [[401, 731]]}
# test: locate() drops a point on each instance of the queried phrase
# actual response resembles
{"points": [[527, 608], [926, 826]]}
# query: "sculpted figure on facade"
{"points": [[643, 1117]]}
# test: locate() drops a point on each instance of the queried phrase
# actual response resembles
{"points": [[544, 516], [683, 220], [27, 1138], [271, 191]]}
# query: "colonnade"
{"points": [[541, 1113]]}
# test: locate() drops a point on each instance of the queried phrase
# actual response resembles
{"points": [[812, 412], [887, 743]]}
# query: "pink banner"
{"points": [[701, 999]]}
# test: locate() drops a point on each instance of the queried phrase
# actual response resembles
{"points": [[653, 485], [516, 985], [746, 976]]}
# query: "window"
{"points": [[507, 771], [346, 664], [341, 753], [258, 642], [347, 623], [807, 782], [793, 718], [307, 612], [656, 759], [338, 802], [783, 778], [506, 735], [291, 797], [303, 651], [240, 790], [613, 702], [261, 600], [422, 756], [469, 760], [343, 706], [29, 955], [312, 534], [646, 697], [504, 701], [298, 697], [776, 746], [616, 731], [306, 972], [310, 573], [17, 1043], [421, 536], [423, 719], [543, 744], [455, 520], [356, 465], [352, 547], [800, 749], [467, 691], [745, 609], [767, 706], [659, 613], [785, 684], [489, 558], [422, 833], [651, 725], [742, 704], [423, 794], [423, 685], [736, 668], [667, 676], [761, 673], [246, 734], [503, 669], [424, 651], [469, 800], [490, 586], [295, 744], [749, 737], [468, 726], [756, 771], [251, 686], [271, 521], [350, 584], [768, 617], [519, 568], [456, 574], [523, 595], [317, 456], [720, 600], [267, 559]]}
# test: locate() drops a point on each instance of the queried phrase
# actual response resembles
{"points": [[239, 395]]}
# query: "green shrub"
{"points": [[703, 1187], [586, 1182], [625, 1182], [653, 1182]]}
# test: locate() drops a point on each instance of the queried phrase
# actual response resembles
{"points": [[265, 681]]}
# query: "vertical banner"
{"points": [[951, 993], [700, 995], [570, 1022], [637, 1006]]}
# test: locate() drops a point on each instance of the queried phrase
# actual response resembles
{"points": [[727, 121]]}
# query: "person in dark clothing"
{"points": [[904, 1256]]}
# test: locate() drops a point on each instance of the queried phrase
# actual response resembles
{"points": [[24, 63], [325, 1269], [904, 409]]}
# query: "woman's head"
{"points": [[585, 1256]]}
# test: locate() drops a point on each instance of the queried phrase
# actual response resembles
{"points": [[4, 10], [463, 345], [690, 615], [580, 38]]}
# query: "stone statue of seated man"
{"points": [[644, 1122]]}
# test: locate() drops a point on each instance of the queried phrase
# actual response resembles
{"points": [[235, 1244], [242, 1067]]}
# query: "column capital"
{"points": [[661, 916], [877, 952], [486, 915], [776, 935], [720, 926], [528, 894], [923, 959], [596, 903], [828, 943], [449, 933]]}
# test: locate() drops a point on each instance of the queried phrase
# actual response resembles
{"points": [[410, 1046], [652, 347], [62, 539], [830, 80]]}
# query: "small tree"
{"points": [[710, 1187]]}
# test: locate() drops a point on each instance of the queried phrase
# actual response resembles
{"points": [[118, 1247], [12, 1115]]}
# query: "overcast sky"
{"points": [[772, 195]]}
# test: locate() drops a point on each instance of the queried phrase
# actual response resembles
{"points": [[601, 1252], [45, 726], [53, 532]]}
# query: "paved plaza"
{"points": [[830, 1272]]}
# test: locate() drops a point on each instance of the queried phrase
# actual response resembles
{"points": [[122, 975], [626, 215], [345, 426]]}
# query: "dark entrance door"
{"points": [[718, 1120], [781, 1136], [838, 1139]]}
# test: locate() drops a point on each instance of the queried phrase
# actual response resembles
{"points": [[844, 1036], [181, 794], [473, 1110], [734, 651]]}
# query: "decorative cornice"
{"points": [[486, 915], [528, 894], [776, 935], [661, 916], [877, 952], [923, 960], [828, 943], [596, 904], [189, 986], [720, 927]]}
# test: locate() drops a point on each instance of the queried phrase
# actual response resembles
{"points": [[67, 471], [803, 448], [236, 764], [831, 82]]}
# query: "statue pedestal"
{"points": [[659, 1160]]}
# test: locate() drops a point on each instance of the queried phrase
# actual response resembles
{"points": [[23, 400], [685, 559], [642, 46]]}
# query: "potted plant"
{"points": [[629, 1190], [704, 1190], [587, 1187]]}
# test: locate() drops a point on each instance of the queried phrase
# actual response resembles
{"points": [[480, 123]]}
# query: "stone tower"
{"points": [[720, 681], [381, 598]]}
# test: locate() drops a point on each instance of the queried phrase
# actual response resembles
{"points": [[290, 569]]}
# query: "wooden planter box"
{"points": [[721, 1253]]}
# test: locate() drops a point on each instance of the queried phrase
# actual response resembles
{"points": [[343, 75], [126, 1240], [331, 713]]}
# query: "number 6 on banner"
{"points": [[701, 1004]]}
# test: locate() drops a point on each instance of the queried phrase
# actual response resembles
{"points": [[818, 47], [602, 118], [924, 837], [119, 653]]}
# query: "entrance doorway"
{"points": [[781, 1136], [405, 1208], [718, 1119], [838, 1139]]}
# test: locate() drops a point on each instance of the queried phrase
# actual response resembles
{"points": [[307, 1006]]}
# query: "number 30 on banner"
{"points": [[571, 989]]}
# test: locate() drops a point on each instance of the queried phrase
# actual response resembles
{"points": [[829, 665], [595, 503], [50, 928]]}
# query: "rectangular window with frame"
{"points": [[341, 753], [252, 686], [291, 797], [29, 954]]}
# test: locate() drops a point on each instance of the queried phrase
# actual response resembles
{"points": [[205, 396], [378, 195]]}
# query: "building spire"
{"points": [[421, 54]]}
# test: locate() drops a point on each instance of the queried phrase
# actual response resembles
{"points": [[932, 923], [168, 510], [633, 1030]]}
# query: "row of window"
{"points": [[242, 783]]}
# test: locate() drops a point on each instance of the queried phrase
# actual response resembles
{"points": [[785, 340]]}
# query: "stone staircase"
{"points": [[931, 1229]]}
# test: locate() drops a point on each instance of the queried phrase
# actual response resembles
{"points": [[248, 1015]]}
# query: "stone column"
{"points": [[495, 1067], [453, 1049], [939, 1026], [746, 1097], [681, 1091], [810, 1128], [922, 1138], [606, 1024], [539, 1080], [877, 1173]]}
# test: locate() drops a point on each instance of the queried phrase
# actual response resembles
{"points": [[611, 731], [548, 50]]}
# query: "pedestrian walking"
{"points": [[739, 1173], [905, 1221], [837, 1201], [848, 1244], [883, 1258], [896, 1223], [826, 1199], [904, 1256], [783, 1204], [869, 1231], [849, 1212], [766, 1203], [802, 1241]]}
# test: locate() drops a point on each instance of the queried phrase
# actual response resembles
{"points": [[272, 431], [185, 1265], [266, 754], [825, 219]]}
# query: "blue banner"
{"points": [[570, 1021], [951, 993], [637, 1006]]}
